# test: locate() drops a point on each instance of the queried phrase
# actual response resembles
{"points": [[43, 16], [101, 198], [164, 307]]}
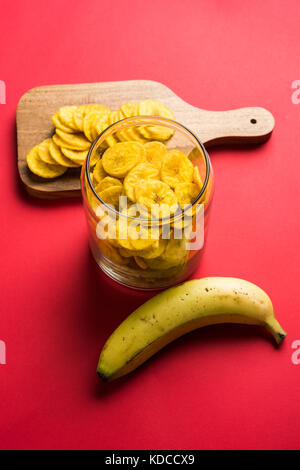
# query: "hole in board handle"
{"points": [[253, 121]]}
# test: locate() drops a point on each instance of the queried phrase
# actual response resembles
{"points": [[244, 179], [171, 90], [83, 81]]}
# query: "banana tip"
{"points": [[275, 329], [279, 337], [102, 376]]}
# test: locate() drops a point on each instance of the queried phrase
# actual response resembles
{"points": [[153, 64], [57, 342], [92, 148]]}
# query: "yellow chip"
{"points": [[137, 239], [155, 152], [197, 178], [111, 140], [98, 107], [59, 124], [155, 250], [140, 262], [107, 182], [131, 211], [87, 126], [109, 251], [78, 117], [75, 156], [71, 141], [114, 117], [157, 197], [59, 157], [44, 153], [85, 109], [125, 252], [142, 171], [92, 121], [122, 157], [133, 134], [65, 115], [175, 254], [176, 168], [99, 127], [130, 109], [156, 132], [186, 193], [99, 173], [122, 236], [140, 236], [130, 134], [111, 195], [40, 168], [194, 154], [133, 237], [154, 108]]}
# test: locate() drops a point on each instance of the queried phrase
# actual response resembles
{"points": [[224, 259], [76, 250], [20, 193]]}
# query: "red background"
{"points": [[220, 387]]}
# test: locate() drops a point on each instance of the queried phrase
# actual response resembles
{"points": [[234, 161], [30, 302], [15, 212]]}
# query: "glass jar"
{"points": [[137, 245]]}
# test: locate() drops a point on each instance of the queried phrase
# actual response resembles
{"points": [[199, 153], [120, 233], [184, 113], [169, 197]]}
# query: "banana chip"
{"points": [[175, 254], [122, 157], [114, 117], [111, 195], [59, 157], [44, 153], [154, 108], [78, 116], [140, 262], [155, 250], [107, 182], [194, 154], [40, 168], [186, 193], [99, 173], [157, 197], [130, 109], [75, 156], [98, 107], [134, 237], [156, 132], [81, 111], [176, 168], [123, 238], [65, 115], [88, 126], [125, 252], [140, 236], [197, 178], [72, 141], [100, 126], [130, 134], [59, 124], [110, 252], [155, 152], [92, 122], [142, 171]]}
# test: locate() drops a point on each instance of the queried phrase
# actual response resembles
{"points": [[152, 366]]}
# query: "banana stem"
{"points": [[276, 330]]}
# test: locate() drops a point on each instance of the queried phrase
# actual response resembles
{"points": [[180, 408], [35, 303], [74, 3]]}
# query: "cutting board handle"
{"points": [[237, 126]]}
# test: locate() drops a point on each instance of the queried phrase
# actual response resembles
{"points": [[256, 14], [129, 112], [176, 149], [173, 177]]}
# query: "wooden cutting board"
{"points": [[35, 108]]}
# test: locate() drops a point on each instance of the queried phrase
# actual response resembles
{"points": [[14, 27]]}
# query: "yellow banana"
{"points": [[181, 309]]}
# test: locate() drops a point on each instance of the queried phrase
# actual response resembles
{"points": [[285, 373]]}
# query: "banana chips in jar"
{"points": [[145, 202]]}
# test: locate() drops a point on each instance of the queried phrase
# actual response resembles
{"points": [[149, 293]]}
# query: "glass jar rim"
{"points": [[147, 120]]}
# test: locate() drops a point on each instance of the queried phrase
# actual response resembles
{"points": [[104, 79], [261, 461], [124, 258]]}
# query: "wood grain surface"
{"points": [[35, 108]]}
